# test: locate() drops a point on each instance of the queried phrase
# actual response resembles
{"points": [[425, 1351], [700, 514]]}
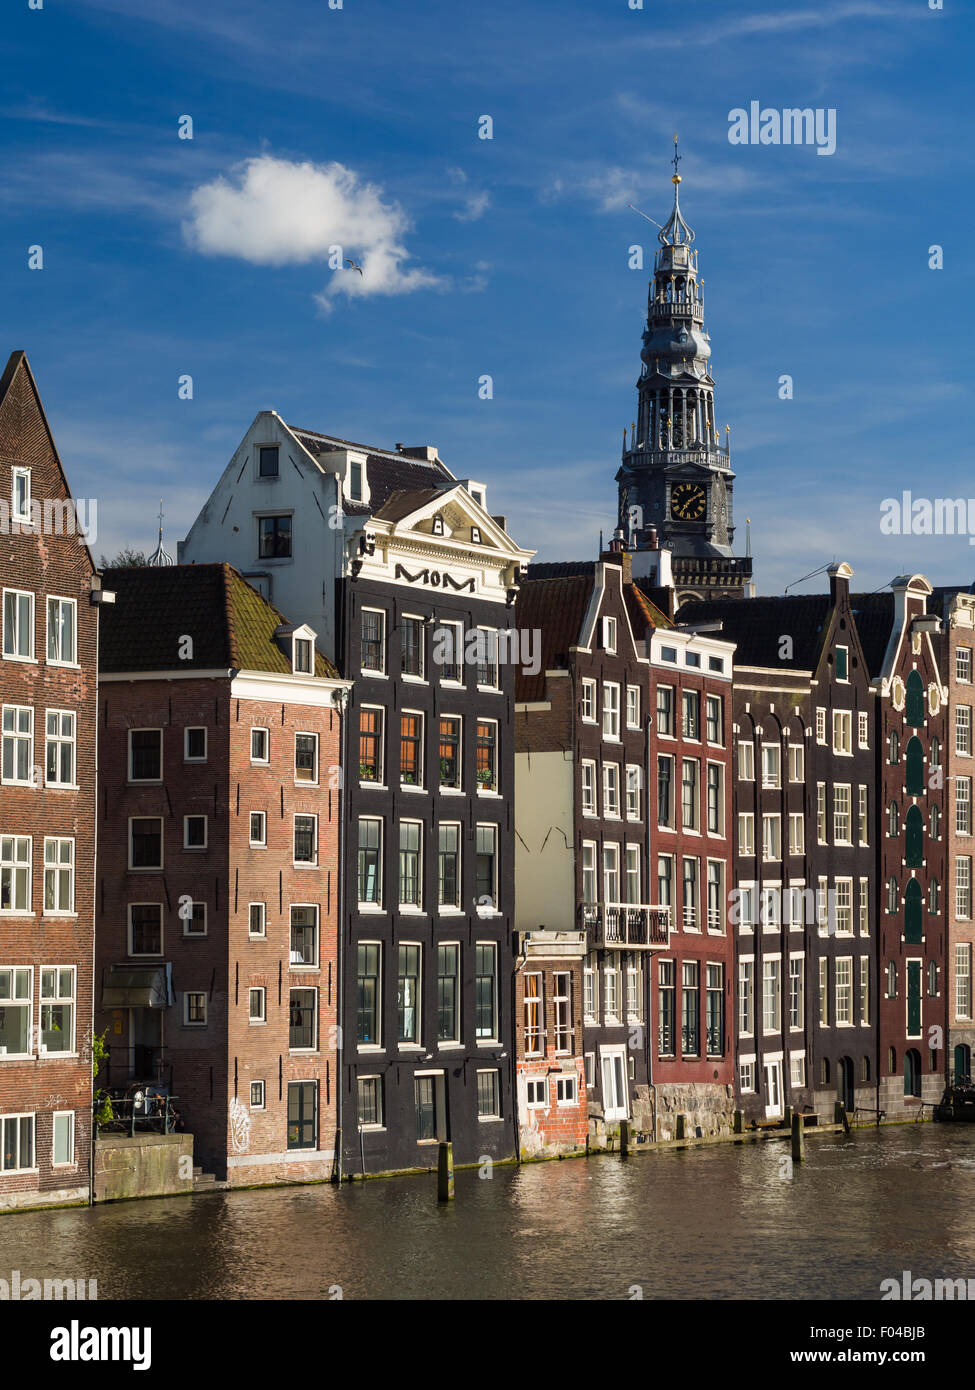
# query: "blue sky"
{"points": [[505, 257]]}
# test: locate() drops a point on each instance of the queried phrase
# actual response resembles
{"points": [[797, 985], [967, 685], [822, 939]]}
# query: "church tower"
{"points": [[676, 479]]}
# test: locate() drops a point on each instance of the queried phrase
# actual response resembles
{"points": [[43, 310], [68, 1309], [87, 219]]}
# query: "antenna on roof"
{"points": [[811, 575]]}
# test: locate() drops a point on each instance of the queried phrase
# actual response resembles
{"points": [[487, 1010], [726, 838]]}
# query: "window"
{"points": [[18, 625], [796, 991], [689, 809], [691, 714], [609, 634], [714, 1019], [306, 840], [665, 711], [842, 731], [634, 993], [589, 891], [194, 832], [771, 765], [633, 707], [355, 490], [303, 1020], [588, 702], [257, 1005], [410, 864], [62, 631], [20, 499], [746, 1076], [17, 1132], [145, 755], [797, 832], [746, 997], [632, 874], [842, 824], [963, 975], [842, 663], [411, 648], [448, 993], [611, 873], [194, 745], [145, 842], [797, 762], [665, 882], [714, 722], [797, 1069], [16, 1006], [820, 726], [411, 749], [933, 893], [259, 745], [449, 866], [963, 805], [63, 1138], [770, 996], [60, 748], [302, 1114], [611, 711], [373, 652], [715, 794], [370, 1102], [864, 907], [257, 831], [863, 822], [489, 1095], [772, 837], [450, 752], [690, 1018], [864, 1001], [18, 744], [487, 658], [611, 789], [194, 1009], [485, 990], [821, 827], [690, 902], [565, 1090], [145, 929], [257, 919], [823, 1000], [747, 908], [668, 653], [193, 915], [536, 1098], [486, 866], [274, 537], [58, 876], [533, 1014], [611, 992], [368, 993], [935, 820], [304, 936], [306, 758], [588, 774], [371, 744], [891, 988], [715, 895], [665, 791], [257, 1095], [267, 461], [844, 906], [963, 729], [429, 1104], [486, 755], [893, 819], [448, 651], [746, 762], [844, 991], [863, 729], [963, 886], [963, 665], [770, 906], [370, 861], [589, 992], [746, 833], [304, 660]]}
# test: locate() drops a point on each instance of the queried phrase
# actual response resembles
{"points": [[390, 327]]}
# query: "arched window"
{"points": [[893, 819], [935, 823], [891, 1061], [892, 895], [932, 979], [865, 1069], [912, 1072], [893, 747], [933, 895], [914, 702], [914, 838], [913, 906], [825, 1071], [915, 767], [934, 754], [963, 1062], [891, 986]]}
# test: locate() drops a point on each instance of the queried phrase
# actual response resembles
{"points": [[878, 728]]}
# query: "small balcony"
{"points": [[625, 926]]}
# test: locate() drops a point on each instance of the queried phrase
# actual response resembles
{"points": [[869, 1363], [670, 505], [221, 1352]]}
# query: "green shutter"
{"points": [[912, 913], [914, 705], [913, 998], [914, 838], [915, 767]]}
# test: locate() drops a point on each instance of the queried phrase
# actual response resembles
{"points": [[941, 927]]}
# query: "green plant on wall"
{"points": [[102, 1103]]}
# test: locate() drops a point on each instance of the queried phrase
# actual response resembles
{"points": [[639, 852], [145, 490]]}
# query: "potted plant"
{"points": [[367, 772]]}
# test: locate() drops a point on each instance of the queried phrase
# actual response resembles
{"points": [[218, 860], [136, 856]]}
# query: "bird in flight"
{"points": [[352, 265]]}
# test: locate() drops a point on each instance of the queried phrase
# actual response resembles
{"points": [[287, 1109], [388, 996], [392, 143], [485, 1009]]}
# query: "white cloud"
{"points": [[474, 207], [275, 212]]}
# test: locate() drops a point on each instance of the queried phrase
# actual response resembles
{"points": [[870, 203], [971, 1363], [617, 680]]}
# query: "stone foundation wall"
{"points": [[901, 1107], [708, 1109], [143, 1165]]}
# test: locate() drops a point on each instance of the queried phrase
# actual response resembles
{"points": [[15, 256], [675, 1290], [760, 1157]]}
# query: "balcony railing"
{"points": [[625, 925]]}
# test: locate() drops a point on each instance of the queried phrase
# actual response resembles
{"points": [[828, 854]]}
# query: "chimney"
{"points": [[426, 452], [839, 583]]}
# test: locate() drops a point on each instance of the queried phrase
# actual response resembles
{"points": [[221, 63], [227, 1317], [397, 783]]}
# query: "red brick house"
{"points": [[47, 838], [218, 882]]}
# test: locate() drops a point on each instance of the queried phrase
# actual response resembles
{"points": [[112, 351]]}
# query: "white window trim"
{"points": [[58, 740], [73, 1161], [206, 831], [22, 518], [196, 1022], [316, 780], [13, 656], [148, 868], [304, 863], [257, 844], [260, 1020], [186, 741], [146, 781], [145, 955], [259, 729], [73, 603], [257, 935]]}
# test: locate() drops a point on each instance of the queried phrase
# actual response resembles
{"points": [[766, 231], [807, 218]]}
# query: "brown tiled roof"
{"points": [[555, 608], [230, 623], [643, 611]]}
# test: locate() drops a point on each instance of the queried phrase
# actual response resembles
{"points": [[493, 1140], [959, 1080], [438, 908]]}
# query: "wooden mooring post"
{"points": [[445, 1172], [798, 1138]]}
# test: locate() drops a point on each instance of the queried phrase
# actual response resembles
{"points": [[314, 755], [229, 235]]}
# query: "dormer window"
{"points": [[20, 494], [355, 482], [438, 525], [303, 657], [267, 461], [478, 498]]}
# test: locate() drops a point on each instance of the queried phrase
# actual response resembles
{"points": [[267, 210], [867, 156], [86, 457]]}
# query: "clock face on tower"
{"points": [[688, 501]]}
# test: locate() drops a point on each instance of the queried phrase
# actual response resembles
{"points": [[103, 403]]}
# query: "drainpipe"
{"points": [[648, 983], [342, 700]]}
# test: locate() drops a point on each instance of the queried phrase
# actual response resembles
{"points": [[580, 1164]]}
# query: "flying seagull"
{"points": [[352, 265]]}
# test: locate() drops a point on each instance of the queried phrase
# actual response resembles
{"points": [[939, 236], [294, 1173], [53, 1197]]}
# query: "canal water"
{"points": [[717, 1223]]}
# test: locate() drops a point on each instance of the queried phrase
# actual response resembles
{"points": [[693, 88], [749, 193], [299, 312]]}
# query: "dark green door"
{"points": [[913, 904], [913, 998], [914, 756], [914, 702]]}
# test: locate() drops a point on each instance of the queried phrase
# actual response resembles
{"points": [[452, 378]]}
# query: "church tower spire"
{"points": [[676, 470]]}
